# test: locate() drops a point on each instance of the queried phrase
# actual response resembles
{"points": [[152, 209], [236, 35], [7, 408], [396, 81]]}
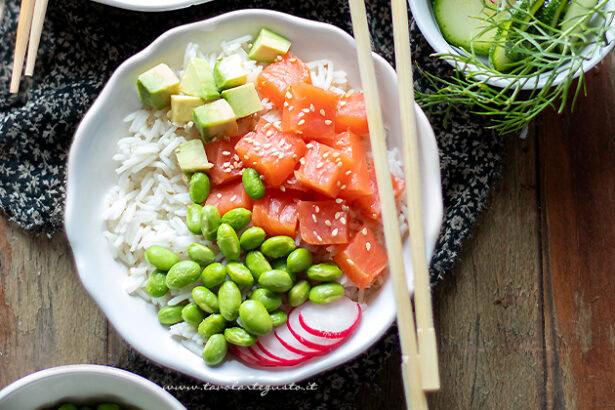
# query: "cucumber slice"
{"points": [[462, 21], [551, 12], [576, 10]]}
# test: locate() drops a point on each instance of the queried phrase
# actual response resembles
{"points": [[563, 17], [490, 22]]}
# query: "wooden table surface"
{"points": [[526, 319]]}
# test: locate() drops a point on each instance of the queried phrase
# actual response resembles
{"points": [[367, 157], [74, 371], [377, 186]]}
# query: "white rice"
{"points": [[148, 204]]}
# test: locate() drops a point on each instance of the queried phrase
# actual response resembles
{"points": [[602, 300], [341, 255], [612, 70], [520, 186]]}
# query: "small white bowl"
{"points": [[91, 174], [424, 17], [151, 5], [84, 383]]}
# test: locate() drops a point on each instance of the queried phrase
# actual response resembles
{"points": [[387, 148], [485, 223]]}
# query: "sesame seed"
{"points": [[292, 60], [236, 157], [310, 145], [364, 231], [305, 110], [301, 122], [328, 122], [255, 163], [325, 155], [277, 124], [316, 208], [319, 237], [328, 222], [320, 165], [339, 184], [288, 95], [291, 108], [295, 157], [226, 164], [337, 215], [299, 132], [345, 208], [350, 262], [262, 177], [335, 231], [226, 170], [226, 152], [348, 172], [312, 108], [368, 246], [343, 220], [339, 200], [343, 187], [279, 58], [302, 161], [283, 188], [219, 195], [269, 133], [342, 103], [322, 112], [336, 154], [233, 198], [314, 218], [285, 103]]}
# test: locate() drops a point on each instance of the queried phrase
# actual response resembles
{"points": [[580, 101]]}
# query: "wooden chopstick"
{"points": [[415, 396], [23, 29], [40, 8], [428, 352]]}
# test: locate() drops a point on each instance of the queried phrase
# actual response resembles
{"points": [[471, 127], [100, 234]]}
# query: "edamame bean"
{"points": [[299, 293], [276, 280], [229, 300], [169, 315], [161, 257], [238, 218], [299, 260], [257, 263], [240, 274], [278, 318], [215, 350], [205, 299], [199, 187], [213, 275], [183, 274], [108, 406], [324, 272], [278, 246], [193, 218], [239, 337], [326, 293], [210, 221], [156, 285], [201, 254], [269, 299], [252, 183], [252, 238], [255, 318], [211, 325], [192, 314], [228, 242], [281, 264]]}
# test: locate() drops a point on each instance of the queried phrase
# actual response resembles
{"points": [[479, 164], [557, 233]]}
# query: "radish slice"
{"points": [[290, 342], [271, 346], [332, 320], [262, 357], [246, 355], [322, 344]]}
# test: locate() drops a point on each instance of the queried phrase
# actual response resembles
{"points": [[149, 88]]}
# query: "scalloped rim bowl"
{"points": [[91, 173], [422, 12], [84, 382], [152, 5]]}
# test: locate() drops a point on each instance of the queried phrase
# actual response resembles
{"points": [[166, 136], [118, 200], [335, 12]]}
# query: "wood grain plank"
{"points": [[46, 317], [577, 164]]}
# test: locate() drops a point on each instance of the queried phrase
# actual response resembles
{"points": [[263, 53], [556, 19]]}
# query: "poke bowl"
{"points": [[151, 5], [112, 236]]}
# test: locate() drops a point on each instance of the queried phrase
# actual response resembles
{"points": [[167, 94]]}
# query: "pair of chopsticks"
{"points": [[419, 365], [29, 28]]}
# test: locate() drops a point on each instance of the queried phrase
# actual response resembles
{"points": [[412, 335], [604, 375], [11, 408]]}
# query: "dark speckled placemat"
{"points": [[83, 42]]}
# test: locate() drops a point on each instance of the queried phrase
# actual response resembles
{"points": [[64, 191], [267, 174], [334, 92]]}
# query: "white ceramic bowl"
{"points": [[82, 383], [91, 175], [152, 5], [424, 17]]}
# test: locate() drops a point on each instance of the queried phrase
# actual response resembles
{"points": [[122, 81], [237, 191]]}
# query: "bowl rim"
{"points": [[137, 5], [80, 138], [92, 369]]}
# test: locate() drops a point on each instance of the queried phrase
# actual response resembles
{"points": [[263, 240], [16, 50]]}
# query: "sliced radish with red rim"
{"points": [[273, 348], [322, 344], [290, 342], [332, 320]]}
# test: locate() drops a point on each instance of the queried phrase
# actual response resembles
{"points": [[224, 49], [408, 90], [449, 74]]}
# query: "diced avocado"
{"points": [[229, 72], [268, 46], [215, 118], [198, 80], [191, 156], [244, 100], [182, 107], [156, 85]]}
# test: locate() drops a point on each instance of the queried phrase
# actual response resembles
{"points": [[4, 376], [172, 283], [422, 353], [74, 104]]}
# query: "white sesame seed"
{"points": [[364, 231], [327, 222], [339, 200], [368, 246], [236, 157], [292, 60], [305, 110], [348, 172], [320, 165], [342, 103], [334, 232], [314, 218], [255, 163], [326, 154], [288, 95], [322, 112], [233, 198], [336, 154], [310, 145], [279, 58], [345, 208], [301, 122], [339, 164], [350, 262], [269, 133], [285, 103], [343, 220], [219, 195], [343, 187], [226, 152], [226, 164], [291, 108], [283, 188], [312, 108], [337, 215], [295, 157], [319, 237], [328, 122], [302, 161], [339, 184], [316, 208], [277, 124]]}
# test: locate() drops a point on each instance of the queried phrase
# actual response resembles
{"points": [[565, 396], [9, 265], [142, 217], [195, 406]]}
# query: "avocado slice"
{"points": [[244, 100], [214, 119], [229, 72], [156, 85], [198, 80], [191, 156], [182, 107], [268, 46]]}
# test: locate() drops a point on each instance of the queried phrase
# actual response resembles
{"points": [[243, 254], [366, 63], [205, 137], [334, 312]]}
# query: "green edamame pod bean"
{"points": [[213, 275], [299, 260], [161, 257], [269, 299], [255, 318], [199, 187], [239, 337], [108, 406], [278, 318], [228, 242], [215, 350], [252, 183], [210, 221], [183, 274], [276, 280], [252, 238], [229, 300], [324, 272], [299, 293], [238, 218], [211, 325], [156, 285], [257, 263], [169, 315], [192, 314], [326, 293], [240, 274], [281, 264], [193, 218], [67, 406], [201, 254], [205, 299], [278, 246]]}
